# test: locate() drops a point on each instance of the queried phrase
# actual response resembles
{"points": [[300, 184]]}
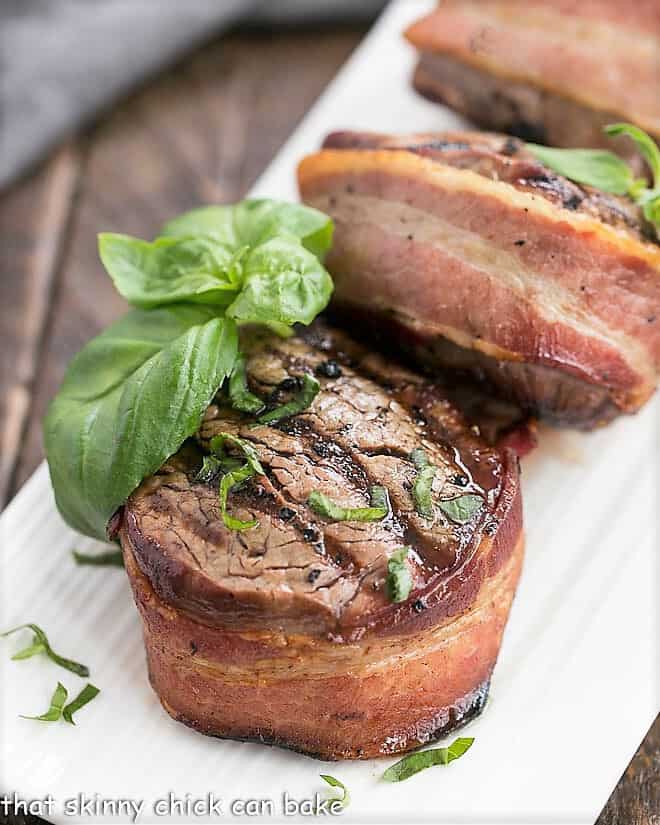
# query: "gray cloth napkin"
{"points": [[63, 60]]}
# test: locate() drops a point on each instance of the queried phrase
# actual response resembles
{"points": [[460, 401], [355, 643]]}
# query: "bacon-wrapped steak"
{"points": [[287, 633]]}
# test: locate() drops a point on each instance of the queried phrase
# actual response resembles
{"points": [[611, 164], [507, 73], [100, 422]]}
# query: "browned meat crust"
{"points": [[482, 258], [284, 633]]}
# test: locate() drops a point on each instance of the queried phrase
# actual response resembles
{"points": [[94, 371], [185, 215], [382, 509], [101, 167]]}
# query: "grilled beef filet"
{"points": [[285, 633], [476, 255], [549, 71]]}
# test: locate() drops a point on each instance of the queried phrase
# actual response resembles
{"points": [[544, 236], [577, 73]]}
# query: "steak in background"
{"points": [[548, 71], [472, 254], [285, 633]]}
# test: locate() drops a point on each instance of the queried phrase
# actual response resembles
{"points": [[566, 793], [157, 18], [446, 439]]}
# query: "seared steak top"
{"points": [[299, 569], [506, 159]]}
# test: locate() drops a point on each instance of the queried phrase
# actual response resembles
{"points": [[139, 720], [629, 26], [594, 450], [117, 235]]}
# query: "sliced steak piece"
{"points": [[285, 633], [478, 256], [549, 71]]}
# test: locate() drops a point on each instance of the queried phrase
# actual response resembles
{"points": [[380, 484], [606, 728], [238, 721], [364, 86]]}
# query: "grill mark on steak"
{"points": [[359, 431]]}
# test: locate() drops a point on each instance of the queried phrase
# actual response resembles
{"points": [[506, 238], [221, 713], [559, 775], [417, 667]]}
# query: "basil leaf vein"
{"points": [[54, 712], [42, 645], [399, 577], [416, 762]]}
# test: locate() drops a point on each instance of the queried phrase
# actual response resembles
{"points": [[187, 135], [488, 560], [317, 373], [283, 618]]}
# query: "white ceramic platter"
{"points": [[572, 695]]}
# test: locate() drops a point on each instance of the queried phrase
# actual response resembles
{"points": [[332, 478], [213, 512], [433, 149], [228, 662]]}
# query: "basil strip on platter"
{"points": [[85, 696], [419, 761], [40, 644], [54, 712], [345, 798], [129, 400]]}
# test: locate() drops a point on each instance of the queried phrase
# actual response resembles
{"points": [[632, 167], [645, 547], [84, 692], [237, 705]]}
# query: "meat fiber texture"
{"points": [[473, 254], [286, 633], [550, 71]]}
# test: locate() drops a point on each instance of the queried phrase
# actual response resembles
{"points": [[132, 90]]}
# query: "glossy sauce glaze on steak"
{"points": [[286, 633], [474, 254], [548, 71]]}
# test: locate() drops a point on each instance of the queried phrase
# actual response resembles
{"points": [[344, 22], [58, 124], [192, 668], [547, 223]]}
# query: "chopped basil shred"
{"points": [[240, 396], [210, 469], [85, 696], [54, 712], [345, 798], [399, 577], [234, 476], [607, 171], [416, 762], [40, 644], [111, 558], [462, 508], [300, 402], [423, 486], [324, 506]]}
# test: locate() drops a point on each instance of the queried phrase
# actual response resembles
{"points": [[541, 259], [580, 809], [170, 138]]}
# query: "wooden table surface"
{"points": [[202, 132]]}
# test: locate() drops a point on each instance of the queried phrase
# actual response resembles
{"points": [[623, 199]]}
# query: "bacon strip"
{"points": [[549, 289], [525, 67]]}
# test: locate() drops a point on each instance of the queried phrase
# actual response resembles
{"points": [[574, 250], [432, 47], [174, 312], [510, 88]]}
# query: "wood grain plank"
{"points": [[33, 223]]}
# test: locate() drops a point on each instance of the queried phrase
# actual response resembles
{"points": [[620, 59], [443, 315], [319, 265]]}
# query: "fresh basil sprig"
{"points": [[607, 171], [324, 506], [40, 644], [399, 577], [416, 762], [134, 394], [345, 798]]}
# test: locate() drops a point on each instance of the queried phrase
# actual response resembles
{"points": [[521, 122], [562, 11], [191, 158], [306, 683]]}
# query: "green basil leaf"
{"points": [[423, 486], [236, 476], [54, 712], [240, 396], [299, 403], [594, 167], [283, 283], [41, 645], [210, 469], [254, 221], [172, 270], [645, 144], [128, 401], [462, 508], [399, 577], [345, 798], [85, 696], [321, 504], [416, 762], [111, 558]]}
